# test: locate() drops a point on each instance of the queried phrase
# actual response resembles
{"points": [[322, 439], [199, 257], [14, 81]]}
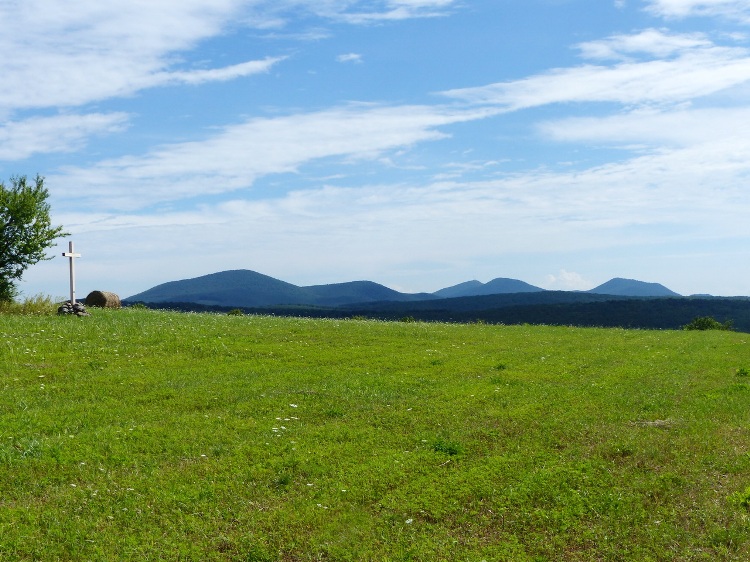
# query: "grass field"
{"points": [[141, 435]]}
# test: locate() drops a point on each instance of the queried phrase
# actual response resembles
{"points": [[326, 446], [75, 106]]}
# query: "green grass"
{"points": [[141, 435]]}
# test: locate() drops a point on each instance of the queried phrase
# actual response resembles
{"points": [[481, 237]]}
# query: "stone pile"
{"points": [[77, 309]]}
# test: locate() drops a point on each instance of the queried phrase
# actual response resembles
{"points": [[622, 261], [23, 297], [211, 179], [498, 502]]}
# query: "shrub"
{"points": [[235, 312], [708, 323]]}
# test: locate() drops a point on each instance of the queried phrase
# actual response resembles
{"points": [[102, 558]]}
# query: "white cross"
{"points": [[72, 255]]}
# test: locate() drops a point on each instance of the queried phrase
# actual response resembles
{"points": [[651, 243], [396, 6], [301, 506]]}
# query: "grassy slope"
{"points": [[138, 435]]}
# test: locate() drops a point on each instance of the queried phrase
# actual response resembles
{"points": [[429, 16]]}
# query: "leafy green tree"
{"points": [[26, 231]]}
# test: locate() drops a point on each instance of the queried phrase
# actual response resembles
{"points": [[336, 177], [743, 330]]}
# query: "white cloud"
{"points": [[684, 195], [217, 74], [567, 281], [350, 57], [652, 42], [735, 9], [680, 128], [97, 50], [268, 14], [698, 69], [240, 154], [61, 133], [382, 10]]}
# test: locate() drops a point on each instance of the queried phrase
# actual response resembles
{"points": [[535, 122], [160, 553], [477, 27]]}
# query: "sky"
{"points": [[415, 143]]}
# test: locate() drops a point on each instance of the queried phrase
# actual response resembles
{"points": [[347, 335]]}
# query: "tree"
{"points": [[26, 231]]}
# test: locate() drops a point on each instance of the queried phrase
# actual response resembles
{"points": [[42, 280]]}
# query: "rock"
{"points": [[77, 309]]}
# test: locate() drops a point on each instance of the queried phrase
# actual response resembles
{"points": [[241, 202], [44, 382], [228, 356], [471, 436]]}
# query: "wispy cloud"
{"points": [[684, 194], [237, 156], [650, 42], [350, 57], [735, 9], [97, 50], [567, 281], [270, 14], [697, 68], [217, 74], [678, 128], [61, 133], [382, 10]]}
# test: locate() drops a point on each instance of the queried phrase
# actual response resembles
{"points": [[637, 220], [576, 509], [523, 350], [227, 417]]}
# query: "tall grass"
{"points": [[142, 435], [34, 305]]}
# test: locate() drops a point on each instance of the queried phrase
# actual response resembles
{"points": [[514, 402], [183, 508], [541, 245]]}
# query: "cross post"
{"points": [[71, 255]]}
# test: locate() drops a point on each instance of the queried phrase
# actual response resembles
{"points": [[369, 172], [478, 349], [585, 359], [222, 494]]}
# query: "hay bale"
{"points": [[103, 299]]}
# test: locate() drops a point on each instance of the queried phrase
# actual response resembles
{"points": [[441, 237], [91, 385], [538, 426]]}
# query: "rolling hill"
{"points": [[245, 288]]}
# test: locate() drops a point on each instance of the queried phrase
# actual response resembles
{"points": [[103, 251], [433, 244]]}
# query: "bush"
{"points": [[235, 312], [707, 323]]}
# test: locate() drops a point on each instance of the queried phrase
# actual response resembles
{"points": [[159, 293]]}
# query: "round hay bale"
{"points": [[103, 299]]}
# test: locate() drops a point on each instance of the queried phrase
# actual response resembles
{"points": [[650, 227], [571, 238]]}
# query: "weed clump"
{"points": [[450, 448], [741, 499]]}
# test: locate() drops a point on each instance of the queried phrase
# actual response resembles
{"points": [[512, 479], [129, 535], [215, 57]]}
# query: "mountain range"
{"points": [[625, 303], [250, 289]]}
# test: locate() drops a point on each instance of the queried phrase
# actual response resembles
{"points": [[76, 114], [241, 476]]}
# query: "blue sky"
{"points": [[415, 143]]}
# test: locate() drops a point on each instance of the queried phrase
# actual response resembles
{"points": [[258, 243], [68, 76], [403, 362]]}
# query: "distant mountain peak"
{"points": [[632, 288], [498, 286]]}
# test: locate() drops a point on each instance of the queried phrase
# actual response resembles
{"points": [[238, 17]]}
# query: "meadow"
{"points": [[145, 435]]}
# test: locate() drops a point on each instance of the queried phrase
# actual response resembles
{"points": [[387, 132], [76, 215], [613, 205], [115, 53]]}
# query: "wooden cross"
{"points": [[72, 256]]}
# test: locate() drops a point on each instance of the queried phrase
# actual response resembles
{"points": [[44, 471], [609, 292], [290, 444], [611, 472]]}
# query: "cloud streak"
{"points": [[697, 69], [62, 133], [733, 9], [97, 50], [238, 155]]}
